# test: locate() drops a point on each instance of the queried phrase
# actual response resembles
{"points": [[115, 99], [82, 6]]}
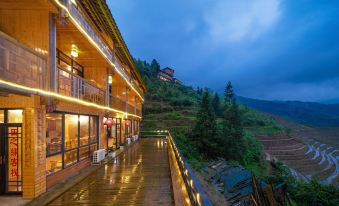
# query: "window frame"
{"points": [[89, 144]]}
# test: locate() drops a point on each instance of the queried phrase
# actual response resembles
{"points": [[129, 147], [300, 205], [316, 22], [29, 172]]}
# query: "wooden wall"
{"points": [[34, 142], [30, 27]]}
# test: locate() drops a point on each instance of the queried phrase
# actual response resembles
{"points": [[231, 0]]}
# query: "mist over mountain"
{"points": [[307, 113]]}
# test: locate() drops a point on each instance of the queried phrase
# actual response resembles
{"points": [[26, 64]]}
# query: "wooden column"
{"points": [[52, 53], [34, 151]]}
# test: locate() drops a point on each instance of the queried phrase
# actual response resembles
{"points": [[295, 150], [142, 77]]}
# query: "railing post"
{"points": [[126, 100], [107, 88], [52, 53], [135, 104]]}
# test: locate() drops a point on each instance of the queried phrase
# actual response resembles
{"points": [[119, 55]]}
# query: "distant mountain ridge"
{"points": [[307, 113]]}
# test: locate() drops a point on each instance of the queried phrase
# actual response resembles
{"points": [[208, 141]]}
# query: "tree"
{"points": [[229, 94], [205, 130], [155, 66], [216, 104], [232, 127]]}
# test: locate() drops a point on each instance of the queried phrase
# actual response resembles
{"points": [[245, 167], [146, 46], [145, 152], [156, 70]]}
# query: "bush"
{"points": [[305, 193]]}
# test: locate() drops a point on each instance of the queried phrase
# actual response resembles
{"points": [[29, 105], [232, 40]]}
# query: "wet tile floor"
{"points": [[141, 176]]}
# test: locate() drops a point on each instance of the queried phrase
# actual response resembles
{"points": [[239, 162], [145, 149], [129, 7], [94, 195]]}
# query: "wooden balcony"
{"points": [[72, 85], [21, 64], [119, 104], [80, 19]]}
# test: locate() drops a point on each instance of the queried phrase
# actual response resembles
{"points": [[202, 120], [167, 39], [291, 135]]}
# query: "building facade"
{"points": [[64, 72], [167, 74]]}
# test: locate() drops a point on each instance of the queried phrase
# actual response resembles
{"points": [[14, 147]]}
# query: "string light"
{"points": [[71, 99], [77, 24]]}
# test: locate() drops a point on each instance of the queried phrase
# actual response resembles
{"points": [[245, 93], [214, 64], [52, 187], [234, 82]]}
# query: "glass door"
{"points": [[13, 156], [2, 159], [10, 151]]}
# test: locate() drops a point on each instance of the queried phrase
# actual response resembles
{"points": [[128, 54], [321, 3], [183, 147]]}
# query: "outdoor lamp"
{"points": [[74, 51]]}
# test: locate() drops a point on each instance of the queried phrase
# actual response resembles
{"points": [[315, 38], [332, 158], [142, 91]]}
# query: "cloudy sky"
{"points": [[269, 49]]}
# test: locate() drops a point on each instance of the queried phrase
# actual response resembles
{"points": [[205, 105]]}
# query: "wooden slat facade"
{"points": [[30, 31]]}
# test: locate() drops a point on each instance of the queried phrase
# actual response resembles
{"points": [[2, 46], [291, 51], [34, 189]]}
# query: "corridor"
{"points": [[141, 176]]}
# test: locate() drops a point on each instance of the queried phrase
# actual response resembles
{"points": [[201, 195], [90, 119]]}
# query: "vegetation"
{"points": [[303, 193], [204, 134], [206, 127]]}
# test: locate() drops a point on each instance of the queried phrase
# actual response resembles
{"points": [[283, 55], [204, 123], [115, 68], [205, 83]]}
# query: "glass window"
{"points": [[71, 157], [15, 116], [114, 130], [53, 133], [2, 116], [71, 131], [94, 131], [53, 164], [84, 129], [84, 152], [93, 147], [128, 128], [118, 124]]}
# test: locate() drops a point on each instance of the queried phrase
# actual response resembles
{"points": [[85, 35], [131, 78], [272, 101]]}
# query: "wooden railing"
{"points": [[124, 73], [117, 103], [72, 85], [120, 104], [79, 16], [21, 64], [196, 192], [138, 112]]}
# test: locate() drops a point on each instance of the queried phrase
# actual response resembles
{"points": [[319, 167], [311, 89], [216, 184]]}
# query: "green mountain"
{"points": [[307, 113]]}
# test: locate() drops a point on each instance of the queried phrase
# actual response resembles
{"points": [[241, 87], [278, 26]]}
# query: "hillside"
{"points": [[175, 107], [307, 113]]}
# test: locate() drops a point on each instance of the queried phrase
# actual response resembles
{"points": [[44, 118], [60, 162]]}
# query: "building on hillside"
{"points": [[68, 87], [167, 74]]}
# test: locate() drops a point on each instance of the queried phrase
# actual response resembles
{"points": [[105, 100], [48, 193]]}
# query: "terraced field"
{"points": [[308, 160]]}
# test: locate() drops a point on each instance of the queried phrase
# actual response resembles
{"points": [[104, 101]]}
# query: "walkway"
{"points": [[141, 176]]}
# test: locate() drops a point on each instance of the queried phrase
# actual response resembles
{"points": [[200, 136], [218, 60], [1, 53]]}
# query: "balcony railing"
{"points": [[80, 19], [117, 103], [130, 109], [196, 193], [21, 64], [124, 73], [120, 104], [138, 112], [72, 85]]}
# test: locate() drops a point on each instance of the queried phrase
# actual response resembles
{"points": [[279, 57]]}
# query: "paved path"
{"points": [[141, 176]]}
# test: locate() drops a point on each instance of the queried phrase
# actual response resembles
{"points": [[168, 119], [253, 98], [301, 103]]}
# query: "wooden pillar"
{"points": [[52, 53], [34, 151]]}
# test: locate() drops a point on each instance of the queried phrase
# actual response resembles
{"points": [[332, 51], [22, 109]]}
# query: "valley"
{"points": [[308, 152]]}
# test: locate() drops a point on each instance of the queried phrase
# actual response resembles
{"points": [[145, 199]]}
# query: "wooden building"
{"points": [[64, 71], [167, 74]]}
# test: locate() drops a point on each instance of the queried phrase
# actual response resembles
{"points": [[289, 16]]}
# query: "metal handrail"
{"points": [[196, 192], [73, 85], [90, 30]]}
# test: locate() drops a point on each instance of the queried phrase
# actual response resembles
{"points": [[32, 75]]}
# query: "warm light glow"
{"points": [[110, 79], [74, 2], [77, 24], [198, 198], [74, 118], [74, 51], [59, 96], [84, 119]]}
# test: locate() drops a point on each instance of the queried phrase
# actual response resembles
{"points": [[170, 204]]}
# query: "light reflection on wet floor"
{"points": [[139, 177]]}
